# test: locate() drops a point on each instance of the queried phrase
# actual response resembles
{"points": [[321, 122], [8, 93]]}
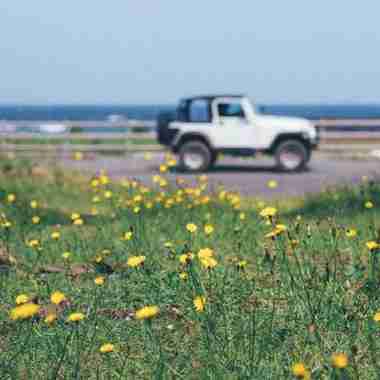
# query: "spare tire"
{"points": [[163, 121]]}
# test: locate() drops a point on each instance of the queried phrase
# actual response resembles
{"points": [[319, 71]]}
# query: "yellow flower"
{"points": [[372, 245], [183, 276], [57, 297], [24, 311], [209, 229], [11, 198], [205, 253], [209, 262], [22, 298], [127, 236], [33, 243], [78, 222], [107, 348], [376, 317], [268, 212], [242, 216], [55, 235], [186, 258], [94, 182], [199, 303], [100, 280], [33, 204], [191, 227], [163, 168], [168, 244], [272, 184], [135, 261], [300, 371], [351, 233], [108, 194], [78, 156], [36, 219], [368, 205], [75, 216], [66, 255], [242, 264], [75, 317], [339, 360], [50, 318], [136, 209], [172, 162], [147, 312]]}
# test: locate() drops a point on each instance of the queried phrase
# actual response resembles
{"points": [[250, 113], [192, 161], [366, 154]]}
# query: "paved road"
{"points": [[250, 177]]}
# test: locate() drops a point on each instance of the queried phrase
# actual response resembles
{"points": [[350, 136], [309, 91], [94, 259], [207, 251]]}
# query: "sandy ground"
{"points": [[250, 177]]}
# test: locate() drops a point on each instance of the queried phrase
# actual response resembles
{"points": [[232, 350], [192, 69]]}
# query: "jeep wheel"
{"points": [[195, 156], [291, 155]]}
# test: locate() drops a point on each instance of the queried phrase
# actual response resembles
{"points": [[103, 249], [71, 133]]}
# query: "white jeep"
{"points": [[204, 126]]}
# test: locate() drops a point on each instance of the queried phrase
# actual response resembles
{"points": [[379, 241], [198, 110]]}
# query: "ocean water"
{"points": [[150, 112]]}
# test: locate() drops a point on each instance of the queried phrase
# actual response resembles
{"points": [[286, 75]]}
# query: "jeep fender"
{"points": [[190, 136]]}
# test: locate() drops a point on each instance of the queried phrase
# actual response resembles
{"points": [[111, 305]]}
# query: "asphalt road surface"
{"points": [[249, 177]]}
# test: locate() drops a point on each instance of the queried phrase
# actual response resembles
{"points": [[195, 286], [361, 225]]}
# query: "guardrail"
{"points": [[65, 138]]}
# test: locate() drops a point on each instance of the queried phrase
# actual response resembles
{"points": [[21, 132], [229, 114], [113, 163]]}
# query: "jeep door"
{"points": [[232, 127]]}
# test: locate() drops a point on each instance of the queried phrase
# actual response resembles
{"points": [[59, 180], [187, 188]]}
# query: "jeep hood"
{"points": [[286, 124]]}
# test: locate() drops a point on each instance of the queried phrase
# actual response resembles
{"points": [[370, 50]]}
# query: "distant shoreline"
{"points": [[150, 112]]}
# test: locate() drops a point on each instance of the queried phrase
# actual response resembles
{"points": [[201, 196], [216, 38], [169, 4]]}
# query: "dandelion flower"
{"points": [[205, 253], [36, 219], [242, 264], [339, 360], [107, 348], [300, 371], [66, 255], [127, 236], [108, 194], [135, 261], [55, 235], [75, 216], [376, 317], [50, 318], [372, 245], [186, 258], [34, 204], [75, 317], [368, 204], [22, 298], [272, 184], [242, 216], [163, 168], [351, 233], [209, 229], [183, 276], [11, 198], [209, 262], [100, 280], [147, 312], [24, 311], [199, 303], [57, 297], [191, 227], [268, 212]]}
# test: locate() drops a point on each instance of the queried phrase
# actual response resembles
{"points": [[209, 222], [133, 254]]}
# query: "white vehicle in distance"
{"points": [[204, 126]]}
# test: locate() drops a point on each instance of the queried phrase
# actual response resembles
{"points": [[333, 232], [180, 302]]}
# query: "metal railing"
{"points": [[56, 137]]}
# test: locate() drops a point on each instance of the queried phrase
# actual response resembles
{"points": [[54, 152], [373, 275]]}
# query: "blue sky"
{"points": [[154, 51]]}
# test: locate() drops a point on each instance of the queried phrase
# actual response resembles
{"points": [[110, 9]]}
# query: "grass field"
{"points": [[102, 280]]}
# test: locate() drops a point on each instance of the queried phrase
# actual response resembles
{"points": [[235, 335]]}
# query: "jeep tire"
{"points": [[292, 155], [195, 156]]}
